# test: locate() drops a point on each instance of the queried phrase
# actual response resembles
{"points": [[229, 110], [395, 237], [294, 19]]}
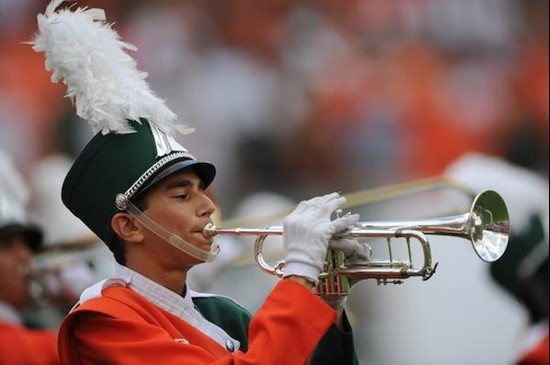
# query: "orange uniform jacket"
{"points": [[121, 327], [22, 346]]}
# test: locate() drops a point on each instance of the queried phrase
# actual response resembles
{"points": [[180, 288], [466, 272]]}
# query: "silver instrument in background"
{"points": [[486, 226]]}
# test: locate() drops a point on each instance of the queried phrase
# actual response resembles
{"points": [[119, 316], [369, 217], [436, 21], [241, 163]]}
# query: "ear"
{"points": [[126, 228]]}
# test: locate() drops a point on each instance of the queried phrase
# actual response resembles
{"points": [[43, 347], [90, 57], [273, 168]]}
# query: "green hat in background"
{"points": [[133, 147]]}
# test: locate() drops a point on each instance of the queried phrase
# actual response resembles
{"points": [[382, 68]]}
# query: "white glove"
{"points": [[354, 250], [351, 248], [306, 234]]}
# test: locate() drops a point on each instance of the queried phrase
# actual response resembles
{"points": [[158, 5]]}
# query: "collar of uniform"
{"points": [[180, 306], [155, 293], [9, 315]]}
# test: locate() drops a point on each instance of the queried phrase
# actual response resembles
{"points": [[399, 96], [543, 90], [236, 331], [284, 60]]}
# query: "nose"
{"points": [[207, 206]]}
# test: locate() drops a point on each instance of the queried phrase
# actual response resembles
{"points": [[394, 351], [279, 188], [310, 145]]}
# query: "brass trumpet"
{"points": [[486, 226]]}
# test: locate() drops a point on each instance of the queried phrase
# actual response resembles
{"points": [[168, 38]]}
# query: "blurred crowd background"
{"points": [[294, 98]]}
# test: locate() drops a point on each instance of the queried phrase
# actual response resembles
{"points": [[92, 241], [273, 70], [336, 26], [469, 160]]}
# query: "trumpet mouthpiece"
{"points": [[209, 230]]}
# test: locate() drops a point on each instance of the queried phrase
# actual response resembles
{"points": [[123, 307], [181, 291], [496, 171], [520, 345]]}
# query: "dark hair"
{"points": [[117, 246], [5, 235]]}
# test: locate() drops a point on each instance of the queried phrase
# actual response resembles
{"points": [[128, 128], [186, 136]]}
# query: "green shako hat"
{"points": [[133, 147], [126, 164]]}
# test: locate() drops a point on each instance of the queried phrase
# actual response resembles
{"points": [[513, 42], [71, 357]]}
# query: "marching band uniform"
{"points": [[130, 319], [523, 269]]}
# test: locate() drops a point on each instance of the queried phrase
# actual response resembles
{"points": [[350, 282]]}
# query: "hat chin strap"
{"points": [[171, 238]]}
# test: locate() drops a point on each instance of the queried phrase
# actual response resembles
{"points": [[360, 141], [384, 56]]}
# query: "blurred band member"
{"points": [[18, 241], [523, 269]]}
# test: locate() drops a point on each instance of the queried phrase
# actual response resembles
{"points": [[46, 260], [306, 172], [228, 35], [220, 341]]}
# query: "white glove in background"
{"points": [[306, 234]]}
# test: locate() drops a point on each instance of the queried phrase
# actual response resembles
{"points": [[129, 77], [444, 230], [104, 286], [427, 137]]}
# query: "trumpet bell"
{"points": [[490, 226]]}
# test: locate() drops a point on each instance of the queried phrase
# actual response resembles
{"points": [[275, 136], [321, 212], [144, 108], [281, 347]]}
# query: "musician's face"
{"points": [[15, 257], [180, 205]]}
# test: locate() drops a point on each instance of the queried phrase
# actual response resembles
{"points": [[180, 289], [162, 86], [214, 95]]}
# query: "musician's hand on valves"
{"points": [[353, 250], [307, 232]]}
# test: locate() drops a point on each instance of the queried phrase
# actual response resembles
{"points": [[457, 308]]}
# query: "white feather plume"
{"points": [[102, 80]]}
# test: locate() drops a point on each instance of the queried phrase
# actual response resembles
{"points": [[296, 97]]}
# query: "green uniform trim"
{"points": [[335, 348], [226, 314]]}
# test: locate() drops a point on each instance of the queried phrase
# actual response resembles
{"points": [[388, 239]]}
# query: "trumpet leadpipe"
{"points": [[210, 230]]}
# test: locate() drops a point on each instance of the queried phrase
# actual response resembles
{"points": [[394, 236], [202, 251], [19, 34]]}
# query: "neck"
{"points": [[167, 267], [171, 279]]}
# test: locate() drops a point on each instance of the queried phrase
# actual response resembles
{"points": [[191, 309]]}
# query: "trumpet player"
{"points": [[143, 194], [19, 239]]}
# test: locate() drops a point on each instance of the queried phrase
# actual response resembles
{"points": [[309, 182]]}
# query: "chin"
{"points": [[184, 260]]}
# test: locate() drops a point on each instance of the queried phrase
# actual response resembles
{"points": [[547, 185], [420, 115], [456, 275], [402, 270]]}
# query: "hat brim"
{"points": [[32, 234], [204, 170]]}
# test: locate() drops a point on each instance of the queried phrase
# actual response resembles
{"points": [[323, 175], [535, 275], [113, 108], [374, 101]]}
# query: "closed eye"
{"points": [[182, 196]]}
